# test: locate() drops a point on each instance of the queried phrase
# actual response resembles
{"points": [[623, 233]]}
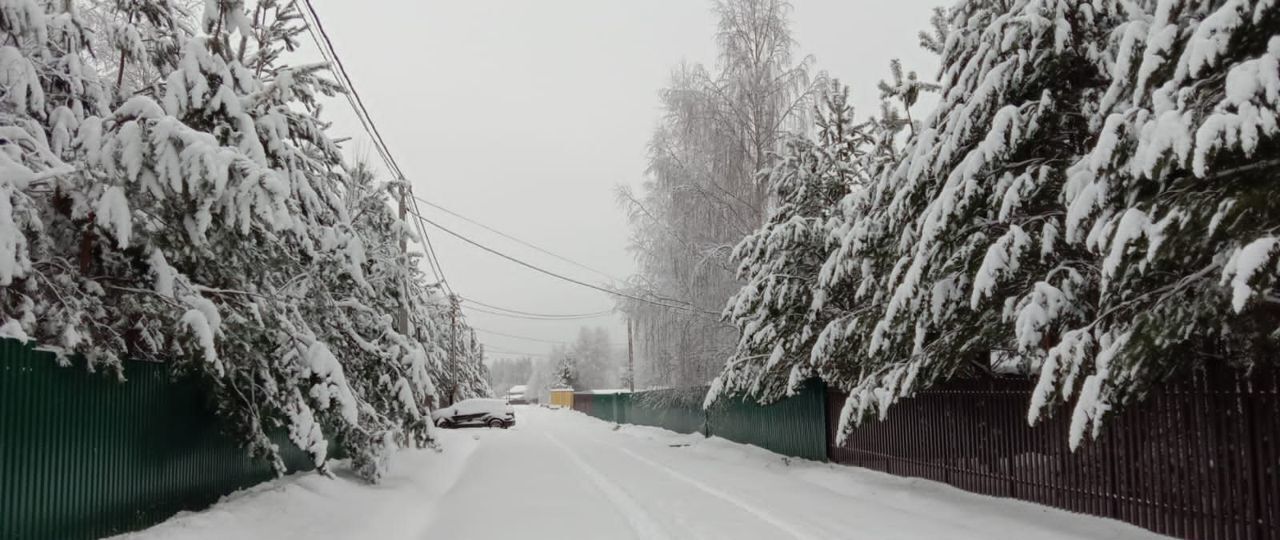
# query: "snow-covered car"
{"points": [[476, 412]]}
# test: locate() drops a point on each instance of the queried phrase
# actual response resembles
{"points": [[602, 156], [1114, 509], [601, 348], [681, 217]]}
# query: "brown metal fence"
{"points": [[1194, 460], [584, 402]]}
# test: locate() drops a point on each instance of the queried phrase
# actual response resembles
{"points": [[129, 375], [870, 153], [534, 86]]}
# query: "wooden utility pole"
{"points": [[402, 314], [631, 367], [453, 343], [453, 330]]}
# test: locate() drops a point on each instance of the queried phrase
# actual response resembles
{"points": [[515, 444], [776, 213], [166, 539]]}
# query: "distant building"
{"points": [[516, 395], [562, 397]]}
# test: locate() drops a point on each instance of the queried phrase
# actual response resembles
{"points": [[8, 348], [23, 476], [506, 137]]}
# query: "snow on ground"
{"points": [[560, 474], [308, 505]]}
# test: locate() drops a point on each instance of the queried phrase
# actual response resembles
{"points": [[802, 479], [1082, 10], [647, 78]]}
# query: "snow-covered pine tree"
{"points": [[202, 216], [50, 88], [387, 366], [780, 261], [845, 291], [234, 189], [473, 375], [137, 43], [457, 350], [1176, 203], [391, 372], [970, 201], [850, 290], [432, 322], [565, 373], [906, 87], [93, 294]]}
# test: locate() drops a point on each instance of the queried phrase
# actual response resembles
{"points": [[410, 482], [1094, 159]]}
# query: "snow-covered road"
{"points": [[562, 475]]}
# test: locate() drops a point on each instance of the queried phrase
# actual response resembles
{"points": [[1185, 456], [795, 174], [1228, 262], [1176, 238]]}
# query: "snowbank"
{"points": [[308, 505]]}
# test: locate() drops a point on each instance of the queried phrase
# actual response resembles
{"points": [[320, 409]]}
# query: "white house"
{"points": [[516, 393]]}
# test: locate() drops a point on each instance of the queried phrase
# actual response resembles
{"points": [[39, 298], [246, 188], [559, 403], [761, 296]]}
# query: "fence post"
{"points": [[948, 451], [706, 421], [819, 398], [828, 432], [1113, 486], [1254, 491]]}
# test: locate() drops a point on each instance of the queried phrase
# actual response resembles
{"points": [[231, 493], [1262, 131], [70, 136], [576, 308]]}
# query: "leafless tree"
{"points": [[702, 194]]}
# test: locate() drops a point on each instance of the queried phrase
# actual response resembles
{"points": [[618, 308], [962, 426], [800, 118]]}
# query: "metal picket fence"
{"points": [[1199, 459], [83, 455], [1194, 460]]}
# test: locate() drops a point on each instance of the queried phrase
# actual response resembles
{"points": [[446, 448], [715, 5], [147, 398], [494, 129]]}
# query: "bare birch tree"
{"points": [[702, 194]]}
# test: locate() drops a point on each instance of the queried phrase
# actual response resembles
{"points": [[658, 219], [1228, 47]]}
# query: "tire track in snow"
{"points": [[788, 528], [641, 522]]}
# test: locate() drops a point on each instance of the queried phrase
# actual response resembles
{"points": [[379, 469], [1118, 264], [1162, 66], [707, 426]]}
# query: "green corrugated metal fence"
{"points": [[793, 426], [83, 455], [610, 407], [676, 410], [621, 407]]}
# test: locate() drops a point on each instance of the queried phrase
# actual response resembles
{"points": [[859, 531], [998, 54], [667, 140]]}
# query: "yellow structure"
{"points": [[562, 397]]}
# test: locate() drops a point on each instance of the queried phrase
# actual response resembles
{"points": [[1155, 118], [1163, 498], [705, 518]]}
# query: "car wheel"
{"points": [[497, 423], [445, 423]]}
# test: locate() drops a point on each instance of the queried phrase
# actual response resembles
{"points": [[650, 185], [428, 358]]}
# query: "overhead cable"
{"points": [[531, 314], [580, 283], [513, 336], [530, 318], [514, 239], [330, 53]]}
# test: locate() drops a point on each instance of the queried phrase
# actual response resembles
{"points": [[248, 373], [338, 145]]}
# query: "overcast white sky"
{"points": [[526, 115]]}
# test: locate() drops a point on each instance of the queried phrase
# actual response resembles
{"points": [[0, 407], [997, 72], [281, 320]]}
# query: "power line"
{"points": [[432, 262], [539, 269], [529, 318], [330, 53], [513, 336], [362, 113], [520, 353], [432, 258], [514, 239], [562, 277], [345, 80], [551, 315]]}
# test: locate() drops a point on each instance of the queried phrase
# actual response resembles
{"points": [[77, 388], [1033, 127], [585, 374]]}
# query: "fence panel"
{"points": [[1196, 460], [609, 406], [676, 410], [794, 426], [584, 402], [621, 405], [86, 456]]}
